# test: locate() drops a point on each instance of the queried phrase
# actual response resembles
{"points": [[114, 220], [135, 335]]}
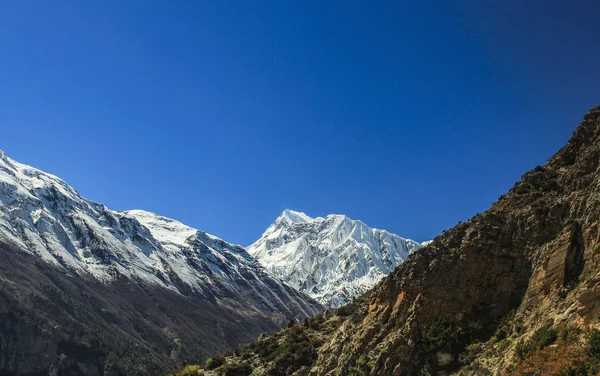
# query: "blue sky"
{"points": [[408, 115]]}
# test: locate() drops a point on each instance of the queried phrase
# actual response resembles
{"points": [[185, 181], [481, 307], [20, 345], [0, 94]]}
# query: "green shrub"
{"points": [[246, 355], [471, 352], [544, 336], [345, 311], [537, 180], [505, 327], [236, 369], [264, 347], [503, 345], [190, 371], [594, 352], [440, 334], [215, 362], [570, 335], [355, 318], [294, 352], [522, 188], [594, 343], [360, 368], [521, 349]]}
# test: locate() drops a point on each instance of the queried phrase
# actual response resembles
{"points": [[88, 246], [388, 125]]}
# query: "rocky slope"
{"points": [[332, 259], [89, 290], [515, 290]]}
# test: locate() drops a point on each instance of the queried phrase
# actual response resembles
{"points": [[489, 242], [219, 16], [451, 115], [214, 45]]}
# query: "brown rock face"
{"points": [[534, 252]]}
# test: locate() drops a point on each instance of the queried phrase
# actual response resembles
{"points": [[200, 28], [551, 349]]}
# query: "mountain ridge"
{"points": [[72, 241]]}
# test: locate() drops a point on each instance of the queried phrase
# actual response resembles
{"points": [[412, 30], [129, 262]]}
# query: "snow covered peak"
{"points": [[26, 180], [291, 216], [332, 259]]}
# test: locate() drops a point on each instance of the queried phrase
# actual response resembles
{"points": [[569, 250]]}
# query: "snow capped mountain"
{"points": [[42, 214], [332, 259], [43, 217]]}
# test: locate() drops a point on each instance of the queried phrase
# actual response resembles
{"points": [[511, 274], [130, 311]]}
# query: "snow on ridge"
{"points": [[31, 177], [163, 229], [41, 214], [293, 216]]}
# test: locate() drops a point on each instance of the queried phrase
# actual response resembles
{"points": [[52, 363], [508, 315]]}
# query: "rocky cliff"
{"points": [[515, 290]]}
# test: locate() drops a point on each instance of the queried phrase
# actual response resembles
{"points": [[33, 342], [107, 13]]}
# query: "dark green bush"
{"points": [[315, 324], [236, 369], [570, 335], [440, 334], [594, 343], [594, 352], [360, 368], [294, 352], [215, 362], [521, 349], [505, 327], [537, 180], [544, 336], [470, 354], [503, 345], [264, 347], [523, 188], [345, 311]]}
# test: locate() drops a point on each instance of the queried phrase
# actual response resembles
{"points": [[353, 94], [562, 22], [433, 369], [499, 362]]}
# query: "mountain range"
{"points": [[514, 290], [85, 289], [88, 282]]}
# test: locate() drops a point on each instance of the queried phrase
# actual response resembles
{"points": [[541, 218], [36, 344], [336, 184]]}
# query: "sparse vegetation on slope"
{"points": [[514, 290], [287, 351]]}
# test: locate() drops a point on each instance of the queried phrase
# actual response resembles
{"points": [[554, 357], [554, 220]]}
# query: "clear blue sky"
{"points": [[408, 115]]}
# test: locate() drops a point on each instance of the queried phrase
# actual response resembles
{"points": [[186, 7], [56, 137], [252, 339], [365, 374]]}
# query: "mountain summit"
{"points": [[332, 259]]}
